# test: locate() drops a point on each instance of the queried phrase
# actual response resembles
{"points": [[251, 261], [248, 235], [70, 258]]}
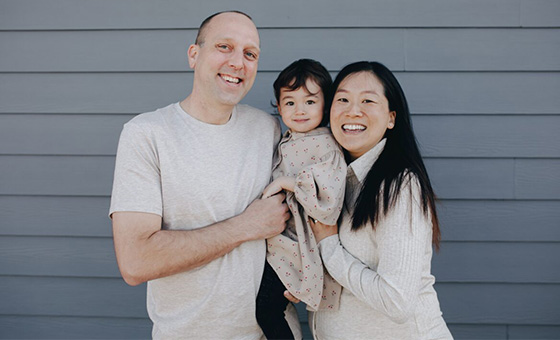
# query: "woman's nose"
{"points": [[354, 111]]}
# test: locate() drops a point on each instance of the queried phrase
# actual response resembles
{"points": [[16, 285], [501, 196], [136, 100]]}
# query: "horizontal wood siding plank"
{"points": [[497, 262], [471, 178], [59, 296], [56, 175], [486, 92], [129, 93], [477, 332], [534, 332], [93, 176], [488, 136], [60, 134], [58, 256], [133, 14], [540, 13], [462, 220], [483, 49], [537, 178], [141, 51], [490, 304], [91, 93], [55, 216], [499, 220], [456, 261], [439, 136], [56, 327], [534, 304], [426, 49]]}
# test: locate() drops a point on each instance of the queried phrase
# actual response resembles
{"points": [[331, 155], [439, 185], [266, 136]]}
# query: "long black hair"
{"points": [[399, 162]]}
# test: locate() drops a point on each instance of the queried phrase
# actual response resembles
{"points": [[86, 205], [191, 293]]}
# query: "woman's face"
{"points": [[360, 113]]}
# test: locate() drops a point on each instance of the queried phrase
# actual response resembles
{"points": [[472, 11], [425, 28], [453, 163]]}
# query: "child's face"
{"points": [[302, 109]]}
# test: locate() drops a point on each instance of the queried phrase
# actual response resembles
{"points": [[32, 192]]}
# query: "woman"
{"points": [[382, 253]]}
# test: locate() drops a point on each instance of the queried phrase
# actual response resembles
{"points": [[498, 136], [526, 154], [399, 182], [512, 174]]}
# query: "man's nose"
{"points": [[236, 59]]}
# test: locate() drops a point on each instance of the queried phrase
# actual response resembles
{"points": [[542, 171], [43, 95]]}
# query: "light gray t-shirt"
{"points": [[194, 174]]}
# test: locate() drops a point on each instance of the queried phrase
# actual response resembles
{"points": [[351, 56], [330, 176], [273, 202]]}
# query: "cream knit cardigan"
{"points": [[385, 273]]}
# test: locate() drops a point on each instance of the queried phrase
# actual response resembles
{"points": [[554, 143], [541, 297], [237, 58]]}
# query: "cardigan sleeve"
{"points": [[320, 187], [401, 237]]}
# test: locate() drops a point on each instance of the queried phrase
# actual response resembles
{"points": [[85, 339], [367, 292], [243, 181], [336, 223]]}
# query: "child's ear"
{"points": [[278, 109]]}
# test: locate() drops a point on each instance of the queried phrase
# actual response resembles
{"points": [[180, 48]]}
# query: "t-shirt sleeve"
{"points": [[320, 187], [137, 179]]}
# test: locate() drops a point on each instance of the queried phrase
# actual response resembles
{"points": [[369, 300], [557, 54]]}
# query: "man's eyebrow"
{"points": [[230, 39]]}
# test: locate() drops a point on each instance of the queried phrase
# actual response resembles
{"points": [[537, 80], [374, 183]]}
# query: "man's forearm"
{"points": [[146, 252], [148, 255]]}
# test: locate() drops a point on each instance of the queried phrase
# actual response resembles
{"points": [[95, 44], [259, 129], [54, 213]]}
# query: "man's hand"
{"points": [[265, 217], [279, 184]]}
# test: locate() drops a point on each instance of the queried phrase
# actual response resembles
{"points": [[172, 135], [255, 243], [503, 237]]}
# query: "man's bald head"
{"points": [[201, 35]]}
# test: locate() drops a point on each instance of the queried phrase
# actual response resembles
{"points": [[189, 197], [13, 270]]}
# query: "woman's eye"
{"points": [[368, 101], [342, 100]]}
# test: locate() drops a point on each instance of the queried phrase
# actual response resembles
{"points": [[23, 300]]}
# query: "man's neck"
{"points": [[206, 112]]}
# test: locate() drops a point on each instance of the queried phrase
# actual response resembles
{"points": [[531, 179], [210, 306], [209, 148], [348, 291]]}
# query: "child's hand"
{"points": [[279, 184]]}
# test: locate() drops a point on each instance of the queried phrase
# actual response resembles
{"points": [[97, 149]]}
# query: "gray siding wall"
{"points": [[482, 79]]}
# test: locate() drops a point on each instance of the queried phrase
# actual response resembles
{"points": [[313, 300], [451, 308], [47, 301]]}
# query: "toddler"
{"points": [[310, 167]]}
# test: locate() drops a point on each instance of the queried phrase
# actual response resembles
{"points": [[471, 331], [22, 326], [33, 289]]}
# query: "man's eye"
{"points": [[251, 55], [223, 47]]}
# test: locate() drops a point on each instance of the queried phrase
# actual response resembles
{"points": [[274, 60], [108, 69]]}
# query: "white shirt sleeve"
{"points": [[400, 236]]}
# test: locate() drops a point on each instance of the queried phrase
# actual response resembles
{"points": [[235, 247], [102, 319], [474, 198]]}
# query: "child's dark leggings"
{"points": [[271, 305]]}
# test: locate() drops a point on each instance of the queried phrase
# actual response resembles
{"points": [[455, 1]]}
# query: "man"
{"points": [[185, 208]]}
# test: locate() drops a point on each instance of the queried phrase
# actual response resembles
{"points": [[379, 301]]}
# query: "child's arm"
{"points": [[279, 184]]}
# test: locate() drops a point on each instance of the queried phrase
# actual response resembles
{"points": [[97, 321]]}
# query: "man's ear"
{"points": [[192, 55]]}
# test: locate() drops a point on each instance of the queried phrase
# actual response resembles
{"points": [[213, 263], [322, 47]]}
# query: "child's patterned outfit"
{"points": [[317, 162]]}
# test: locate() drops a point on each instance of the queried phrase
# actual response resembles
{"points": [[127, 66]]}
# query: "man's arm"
{"points": [[146, 252]]}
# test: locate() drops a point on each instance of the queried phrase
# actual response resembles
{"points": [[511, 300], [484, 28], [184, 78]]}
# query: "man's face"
{"points": [[225, 62]]}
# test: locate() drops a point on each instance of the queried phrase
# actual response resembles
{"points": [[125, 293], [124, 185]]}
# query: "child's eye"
{"points": [[289, 103], [310, 102]]}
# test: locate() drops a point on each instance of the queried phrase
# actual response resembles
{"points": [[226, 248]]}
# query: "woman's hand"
{"points": [[279, 184], [321, 230]]}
